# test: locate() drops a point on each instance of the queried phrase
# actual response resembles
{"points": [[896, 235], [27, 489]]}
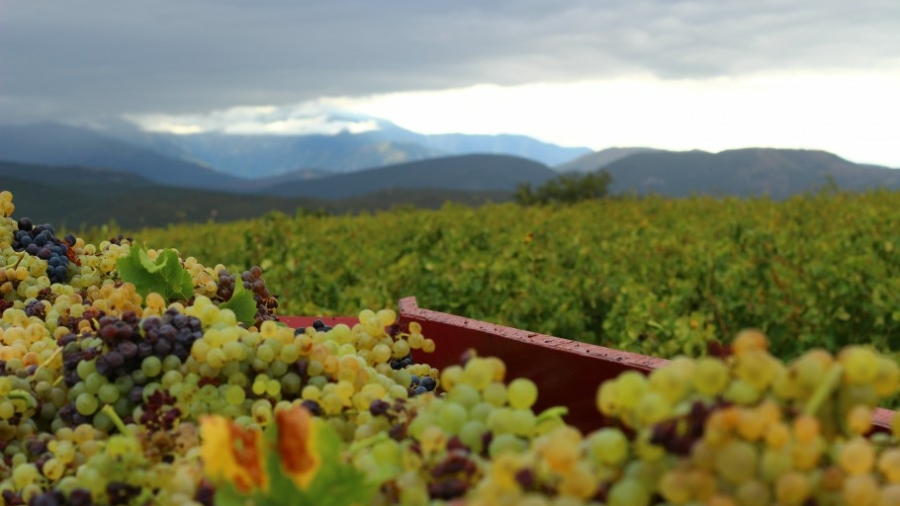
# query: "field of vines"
{"points": [[651, 275]]}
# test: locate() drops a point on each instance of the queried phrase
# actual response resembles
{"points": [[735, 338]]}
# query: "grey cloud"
{"points": [[81, 58]]}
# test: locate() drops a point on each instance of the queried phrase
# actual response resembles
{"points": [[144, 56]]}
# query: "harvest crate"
{"points": [[566, 372]]}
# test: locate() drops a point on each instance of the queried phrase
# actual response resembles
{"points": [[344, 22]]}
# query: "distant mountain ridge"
{"points": [[599, 159], [74, 197], [464, 173], [255, 156], [146, 158], [57, 144], [778, 173]]}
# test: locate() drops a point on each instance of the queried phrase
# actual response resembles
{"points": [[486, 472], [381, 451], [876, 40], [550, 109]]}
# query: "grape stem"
{"points": [[369, 441], [47, 362], [23, 396], [824, 390], [550, 413], [111, 413]]}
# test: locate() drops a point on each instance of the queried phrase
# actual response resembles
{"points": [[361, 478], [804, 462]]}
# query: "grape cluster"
{"points": [[266, 303], [39, 241]]}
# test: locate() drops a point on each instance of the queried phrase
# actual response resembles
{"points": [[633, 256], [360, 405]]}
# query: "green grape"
{"points": [[86, 404], [506, 443], [495, 393], [278, 368], [85, 368], [522, 393], [124, 384], [630, 386], [53, 469], [259, 387], [710, 376], [471, 434], [108, 393], [234, 395], [523, 422], [266, 353], [290, 383], [7, 409], [481, 411], [466, 395], [93, 382], [628, 493], [273, 388], [215, 358], [736, 462], [501, 421], [24, 475], [608, 446], [452, 417]]}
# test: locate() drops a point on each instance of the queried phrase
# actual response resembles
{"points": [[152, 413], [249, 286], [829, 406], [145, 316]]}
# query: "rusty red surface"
{"points": [[566, 372]]}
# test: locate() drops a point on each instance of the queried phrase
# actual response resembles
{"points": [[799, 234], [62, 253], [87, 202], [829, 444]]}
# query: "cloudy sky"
{"points": [[705, 74]]}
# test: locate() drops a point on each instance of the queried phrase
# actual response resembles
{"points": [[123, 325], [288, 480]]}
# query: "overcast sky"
{"points": [[708, 74]]}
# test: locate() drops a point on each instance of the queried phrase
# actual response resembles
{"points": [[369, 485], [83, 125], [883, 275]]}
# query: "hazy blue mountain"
{"points": [[599, 159], [464, 172], [256, 156], [778, 173], [63, 145]]}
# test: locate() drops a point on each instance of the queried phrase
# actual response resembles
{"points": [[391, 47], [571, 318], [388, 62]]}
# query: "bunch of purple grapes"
{"points": [[252, 280], [39, 241]]}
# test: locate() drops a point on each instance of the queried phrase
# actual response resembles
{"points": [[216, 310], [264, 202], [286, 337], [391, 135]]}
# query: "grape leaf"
{"points": [[165, 275], [243, 305]]}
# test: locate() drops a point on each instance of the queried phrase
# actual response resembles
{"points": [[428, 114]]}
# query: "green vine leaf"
{"points": [[243, 305], [165, 275]]}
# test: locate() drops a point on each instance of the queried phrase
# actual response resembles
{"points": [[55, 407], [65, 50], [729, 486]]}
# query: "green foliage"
{"points": [[566, 189], [655, 276], [243, 305], [164, 275]]}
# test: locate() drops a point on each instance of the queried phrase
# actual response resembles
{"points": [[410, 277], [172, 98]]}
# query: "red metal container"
{"points": [[566, 372]]}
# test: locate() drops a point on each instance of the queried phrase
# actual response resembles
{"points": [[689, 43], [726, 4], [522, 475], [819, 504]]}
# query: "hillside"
{"points": [[62, 145], [467, 172], [778, 173], [599, 159], [72, 197]]}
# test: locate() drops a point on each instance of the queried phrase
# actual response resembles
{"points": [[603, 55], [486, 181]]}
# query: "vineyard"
{"points": [[132, 373], [654, 276]]}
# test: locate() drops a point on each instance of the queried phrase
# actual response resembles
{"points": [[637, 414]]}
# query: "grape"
{"points": [[86, 404], [495, 393], [522, 393], [857, 456], [860, 490], [710, 376], [452, 417], [889, 465], [860, 365], [505, 443], [628, 493]]}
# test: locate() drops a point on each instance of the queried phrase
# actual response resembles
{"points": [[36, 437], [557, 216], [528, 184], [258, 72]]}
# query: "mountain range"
{"points": [[259, 156], [777, 173], [183, 175]]}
